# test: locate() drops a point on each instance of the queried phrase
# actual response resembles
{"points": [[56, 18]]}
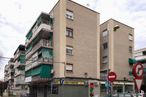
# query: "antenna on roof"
{"points": [[87, 4]]}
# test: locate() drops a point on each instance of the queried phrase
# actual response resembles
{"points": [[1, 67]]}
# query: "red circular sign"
{"points": [[138, 70], [112, 76]]}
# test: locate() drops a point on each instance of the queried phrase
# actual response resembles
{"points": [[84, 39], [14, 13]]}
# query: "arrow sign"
{"points": [[138, 83]]}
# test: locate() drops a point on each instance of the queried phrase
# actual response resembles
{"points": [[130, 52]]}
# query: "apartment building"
{"points": [[140, 56], [9, 75], [19, 66], [117, 44], [63, 52]]}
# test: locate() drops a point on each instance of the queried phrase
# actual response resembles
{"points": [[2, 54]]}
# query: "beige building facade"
{"points": [[77, 32], [117, 44]]}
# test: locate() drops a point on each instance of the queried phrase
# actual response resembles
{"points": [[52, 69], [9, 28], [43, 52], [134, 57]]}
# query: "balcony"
{"points": [[20, 81], [43, 24], [141, 58], [38, 62], [18, 54], [19, 65], [42, 43], [10, 77], [40, 73], [42, 28], [11, 71], [17, 73]]}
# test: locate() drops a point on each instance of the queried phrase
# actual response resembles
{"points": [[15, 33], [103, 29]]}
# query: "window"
{"points": [[105, 45], [144, 52], [130, 37], [69, 67], [69, 14], [130, 49], [69, 50], [105, 59], [69, 32], [104, 33]]}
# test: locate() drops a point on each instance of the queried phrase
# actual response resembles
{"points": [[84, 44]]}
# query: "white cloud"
{"points": [[16, 18], [130, 12]]}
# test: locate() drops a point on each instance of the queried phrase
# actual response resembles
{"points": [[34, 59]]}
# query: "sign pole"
{"points": [[111, 77]]}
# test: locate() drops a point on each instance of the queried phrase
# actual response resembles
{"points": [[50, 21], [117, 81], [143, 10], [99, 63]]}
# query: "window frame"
{"points": [[69, 70], [69, 32], [105, 33], [130, 37], [130, 49], [105, 45], [69, 14], [69, 48]]}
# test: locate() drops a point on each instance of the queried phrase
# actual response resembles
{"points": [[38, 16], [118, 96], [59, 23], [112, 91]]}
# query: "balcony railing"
{"points": [[38, 62], [18, 64], [39, 79], [18, 54], [140, 58], [19, 73], [41, 43], [36, 31], [20, 81]]}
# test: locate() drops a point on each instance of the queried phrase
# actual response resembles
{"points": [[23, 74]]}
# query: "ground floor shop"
{"points": [[63, 87], [71, 87], [117, 88]]}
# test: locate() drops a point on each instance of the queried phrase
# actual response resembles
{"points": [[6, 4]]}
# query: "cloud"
{"points": [[136, 5], [130, 12], [16, 18]]}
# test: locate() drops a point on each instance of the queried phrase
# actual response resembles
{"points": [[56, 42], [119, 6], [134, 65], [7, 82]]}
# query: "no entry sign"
{"points": [[112, 76]]}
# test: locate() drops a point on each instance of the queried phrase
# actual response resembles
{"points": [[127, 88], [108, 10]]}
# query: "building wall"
{"points": [[118, 47], [85, 40], [59, 38], [121, 52]]}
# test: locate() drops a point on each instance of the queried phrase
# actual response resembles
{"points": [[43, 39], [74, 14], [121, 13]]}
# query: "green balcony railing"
{"points": [[44, 71]]}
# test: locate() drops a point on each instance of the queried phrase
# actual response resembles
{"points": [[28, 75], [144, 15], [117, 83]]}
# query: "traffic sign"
{"points": [[138, 83], [138, 71], [112, 76], [61, 81]]}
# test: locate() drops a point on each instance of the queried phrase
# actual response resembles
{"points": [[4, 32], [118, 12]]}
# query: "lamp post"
{"points": [[124, 79]]}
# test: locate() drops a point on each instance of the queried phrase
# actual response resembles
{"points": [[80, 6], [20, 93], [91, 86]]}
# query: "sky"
{"points": [[17, 17]]}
